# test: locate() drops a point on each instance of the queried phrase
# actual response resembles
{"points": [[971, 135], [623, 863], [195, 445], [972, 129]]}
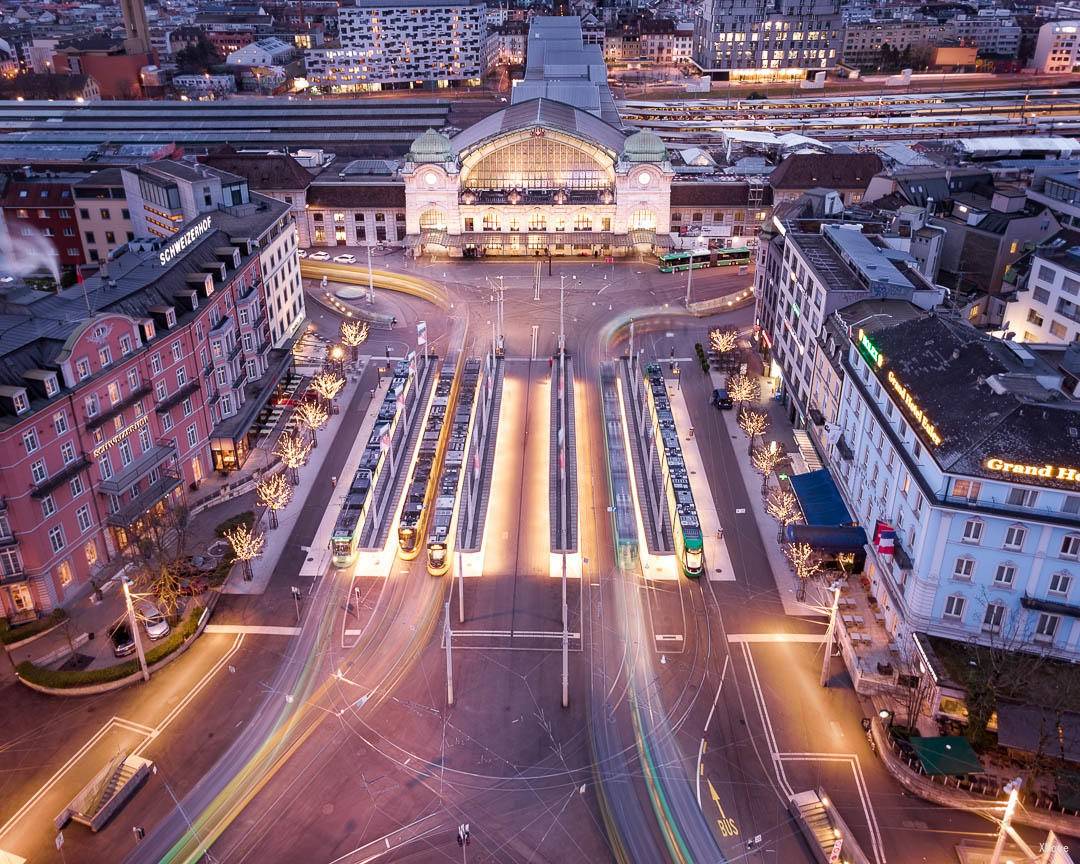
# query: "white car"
{"points": [[153, 621], [319, 256], [344, 259], [302, 253]]}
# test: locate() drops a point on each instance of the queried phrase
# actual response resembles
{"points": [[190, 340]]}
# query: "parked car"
{"points": [[721, 399], [344, 259], [153, 621], [302, 253], [122, 641], [319, 256]]}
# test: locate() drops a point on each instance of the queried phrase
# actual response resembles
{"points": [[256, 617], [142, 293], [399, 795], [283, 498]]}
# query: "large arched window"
{"points": [[643, 220], [537, 222], [539, 162], [583, 221], [491, 221], [432, 220]]}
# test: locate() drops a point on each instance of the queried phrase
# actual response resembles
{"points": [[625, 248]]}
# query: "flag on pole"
{"points": [[884, 538], [421, 332]]}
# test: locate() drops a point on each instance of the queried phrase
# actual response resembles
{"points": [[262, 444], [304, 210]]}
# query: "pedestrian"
{"points": [[691, 431], [719, 533], [139, 832], [333, 482]]}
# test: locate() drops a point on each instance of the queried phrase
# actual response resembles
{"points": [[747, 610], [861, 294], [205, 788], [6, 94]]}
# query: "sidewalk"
{"points": [[779, 430], [263, 567]]}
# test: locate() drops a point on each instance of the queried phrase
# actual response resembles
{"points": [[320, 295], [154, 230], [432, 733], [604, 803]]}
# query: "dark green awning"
{"points": [[951, 755]]}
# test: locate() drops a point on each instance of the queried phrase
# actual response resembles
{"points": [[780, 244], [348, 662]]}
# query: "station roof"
{"points": [[542, 114]]}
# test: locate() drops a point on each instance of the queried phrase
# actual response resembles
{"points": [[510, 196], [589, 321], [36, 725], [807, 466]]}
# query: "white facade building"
{"points": [[1048, 308], [205, 85], [264, 52], [1057, 50], [966, 447], [994, 32], [385, 43]]}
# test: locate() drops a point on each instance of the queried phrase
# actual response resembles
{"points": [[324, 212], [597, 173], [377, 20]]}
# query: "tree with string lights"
{"points": [[805, 564], [354, 334], [743, 389], [274, 493], [293, 450], [313, 417], [247, 545], [753, 423], [765, 460], [328, 385], [783, 507], [723, 342]]}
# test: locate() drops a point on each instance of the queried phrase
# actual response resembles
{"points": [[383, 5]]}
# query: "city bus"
{"points": [[670, 262]]}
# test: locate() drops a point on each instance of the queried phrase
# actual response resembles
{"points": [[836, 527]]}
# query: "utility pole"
{"points": [[631, 341], [461, 590], [830, 634], [296, 600], [562, 313], [565, 659], [370, 278], [134, 625], [448, 635]]}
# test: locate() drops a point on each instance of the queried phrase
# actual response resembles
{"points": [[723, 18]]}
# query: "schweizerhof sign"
{"points": [[183, 240]]}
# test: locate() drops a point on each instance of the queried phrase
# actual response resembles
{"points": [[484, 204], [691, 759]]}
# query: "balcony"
{"points": [[145, 500], [59, 479], [177, 397], [240, 380], [138, 469], [10, 574], [117, 409]]}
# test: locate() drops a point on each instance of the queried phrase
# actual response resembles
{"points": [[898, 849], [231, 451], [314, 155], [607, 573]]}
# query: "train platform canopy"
{"points": [[820, 499], [1017, 145]]}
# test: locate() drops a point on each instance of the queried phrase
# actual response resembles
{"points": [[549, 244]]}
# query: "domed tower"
{"points": [[644, 146], [643, 188], [430, 173], [431, 146]]}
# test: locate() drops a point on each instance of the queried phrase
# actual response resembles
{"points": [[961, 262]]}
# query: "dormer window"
{"points": [[22, 404], [52, 386], [170, 317], [125, 345]]}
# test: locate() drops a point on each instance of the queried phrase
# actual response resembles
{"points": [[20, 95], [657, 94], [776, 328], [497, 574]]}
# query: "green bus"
{"points": [[686, 259]]}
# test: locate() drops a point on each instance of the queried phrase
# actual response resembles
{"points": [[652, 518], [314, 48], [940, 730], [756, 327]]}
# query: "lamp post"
{"points": [[689, 278], [1013, 790], [830, 633], [370, 279], [134, 625]]}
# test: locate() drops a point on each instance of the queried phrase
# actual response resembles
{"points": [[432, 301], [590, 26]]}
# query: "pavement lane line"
{"points": [[763, 711], [253, 629], [708, 720], [812, 638]]}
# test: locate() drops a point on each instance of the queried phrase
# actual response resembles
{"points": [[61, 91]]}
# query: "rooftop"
{"points": [[833, 170]]}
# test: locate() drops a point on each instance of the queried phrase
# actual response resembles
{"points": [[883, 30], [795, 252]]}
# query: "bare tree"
{"points": [[154, 553], [765, 459], [753, 423], [783, 507], [805, 563]]}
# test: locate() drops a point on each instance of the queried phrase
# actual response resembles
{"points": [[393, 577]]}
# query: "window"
{"points": [[993, 618], [83, 517], [1046, 627], [105, 355], [114, 393], [48, 506], [1015, 536], [1022, 497], [964, 569], [125, 345], [63, 573], [1060, 583], [192, 435], [56, 538], [155, 364], [161, 390], [177, 351], [968, 489], [1070, 546], [105, 466], [181, 377], [90, 551], [954, 607], [973, 529], [76, 486], [166, 421], [1004, 575], [60, 422], [187, 407], [67, 452], [30, 440], [91, 405], [38, 472], [82, 368], [1071, 504], [125, 452]]}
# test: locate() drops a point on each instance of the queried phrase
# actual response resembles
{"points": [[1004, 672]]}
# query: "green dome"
{"points": [[432, 146], [644, 146]]}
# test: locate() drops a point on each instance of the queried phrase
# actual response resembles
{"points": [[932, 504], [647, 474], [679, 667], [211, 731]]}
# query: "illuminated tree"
{"points": [[293, 451], [765, 460], [313, 417], [723, 342], [805, 564], [247, 545], [154, 554], [274, 493], [354, 334], [327, 385], [742, 389], [783, 507], [753, 423]]}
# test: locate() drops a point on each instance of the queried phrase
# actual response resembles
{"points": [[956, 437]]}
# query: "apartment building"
{"points": [[386, 44], [36, 205], [101, 211], [1047, 307], [108, 416], [863, 41], [995, 32], [1057, 48]]}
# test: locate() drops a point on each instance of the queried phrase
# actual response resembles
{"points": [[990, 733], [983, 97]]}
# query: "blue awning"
{"points": [[820, 499]]}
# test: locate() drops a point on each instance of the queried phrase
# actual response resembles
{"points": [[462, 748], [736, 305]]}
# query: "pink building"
{"points": [[118, 395]]}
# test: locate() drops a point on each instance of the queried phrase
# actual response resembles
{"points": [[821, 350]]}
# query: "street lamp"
{"points": [[1013, 790], [830, 633], [134, 625], [886, 717]]}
